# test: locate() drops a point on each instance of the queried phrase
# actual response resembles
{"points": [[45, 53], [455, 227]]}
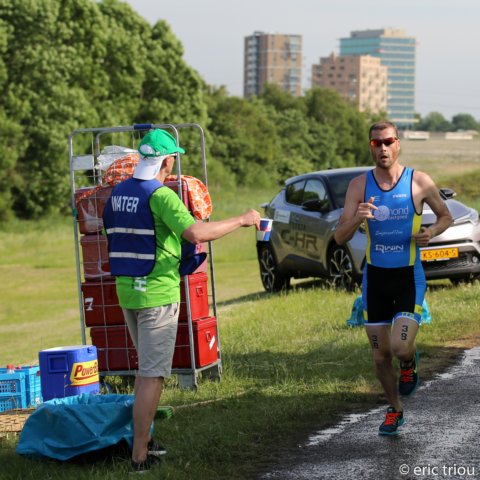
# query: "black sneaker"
{"points": [[145, 466], [409, 378], [155, 449], [393, 420]]}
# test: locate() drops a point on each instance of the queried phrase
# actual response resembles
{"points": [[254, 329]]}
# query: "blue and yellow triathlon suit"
{"points": [[393, 279]]}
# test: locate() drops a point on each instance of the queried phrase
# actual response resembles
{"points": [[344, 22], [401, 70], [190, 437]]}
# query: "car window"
{"points": [[314, 190], [294, 192], [339, 185]]}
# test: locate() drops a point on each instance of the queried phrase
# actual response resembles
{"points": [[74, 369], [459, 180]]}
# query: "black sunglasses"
{"points": [[378, 142]]}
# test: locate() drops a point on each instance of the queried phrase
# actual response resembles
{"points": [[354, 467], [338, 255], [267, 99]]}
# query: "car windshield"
{"points": [[338, 184]]}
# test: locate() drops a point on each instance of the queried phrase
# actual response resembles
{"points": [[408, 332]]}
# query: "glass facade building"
{"points": [[397, 52]]}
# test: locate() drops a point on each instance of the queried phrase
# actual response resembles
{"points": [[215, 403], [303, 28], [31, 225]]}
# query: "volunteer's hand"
{"points": [[423, 237], [251, 217]]}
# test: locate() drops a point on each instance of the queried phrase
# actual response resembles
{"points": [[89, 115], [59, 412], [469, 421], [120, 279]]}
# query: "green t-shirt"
{"points": [[162, 285]]}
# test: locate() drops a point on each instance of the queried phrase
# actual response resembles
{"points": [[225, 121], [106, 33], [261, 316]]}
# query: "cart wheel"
{"points": [[214, 373], [188, 381]]}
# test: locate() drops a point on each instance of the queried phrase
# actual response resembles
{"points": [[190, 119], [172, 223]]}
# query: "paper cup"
{"points": [[263, 235]]}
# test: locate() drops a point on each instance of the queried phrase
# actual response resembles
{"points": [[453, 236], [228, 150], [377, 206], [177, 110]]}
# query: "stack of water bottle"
{"points": [[20, 387]]}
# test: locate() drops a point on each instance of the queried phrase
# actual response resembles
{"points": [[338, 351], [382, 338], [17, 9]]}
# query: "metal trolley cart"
{"points": [[97, 162]]}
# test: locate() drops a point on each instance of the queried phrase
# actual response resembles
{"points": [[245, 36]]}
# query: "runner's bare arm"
{"points": [[432, 197], [355, 212]]}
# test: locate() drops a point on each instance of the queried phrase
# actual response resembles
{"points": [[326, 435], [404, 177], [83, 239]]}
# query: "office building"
{"points": [[397, 52], [361, 80], [272, 58]]}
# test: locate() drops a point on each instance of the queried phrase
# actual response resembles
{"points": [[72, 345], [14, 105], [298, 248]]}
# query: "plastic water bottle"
{"points": [[10, 368]]}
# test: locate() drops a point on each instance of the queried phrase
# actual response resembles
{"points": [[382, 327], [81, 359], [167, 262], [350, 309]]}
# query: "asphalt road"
{"points": [[440, 439]]}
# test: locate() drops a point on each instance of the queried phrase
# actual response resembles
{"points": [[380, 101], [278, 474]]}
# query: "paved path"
{"points": [[440, 440]]}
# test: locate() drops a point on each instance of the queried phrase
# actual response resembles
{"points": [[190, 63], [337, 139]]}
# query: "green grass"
{"points": [[291, 364]]}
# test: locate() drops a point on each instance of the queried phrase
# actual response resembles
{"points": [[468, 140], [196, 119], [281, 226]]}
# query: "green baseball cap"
{"points": [[158, 143]]}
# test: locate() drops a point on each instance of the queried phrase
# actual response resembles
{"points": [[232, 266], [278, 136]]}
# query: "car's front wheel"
{"points": [[340, 268], [272, 279]]}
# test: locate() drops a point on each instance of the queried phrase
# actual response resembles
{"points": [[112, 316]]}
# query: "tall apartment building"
{"points": [[360, 79], [397, 52], [272, 58]]}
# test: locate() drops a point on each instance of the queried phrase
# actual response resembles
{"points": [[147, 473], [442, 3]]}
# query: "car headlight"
{"points": [[472, 217]]}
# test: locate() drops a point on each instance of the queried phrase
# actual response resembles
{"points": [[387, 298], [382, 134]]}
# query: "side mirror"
{"points": [[447, 193]]}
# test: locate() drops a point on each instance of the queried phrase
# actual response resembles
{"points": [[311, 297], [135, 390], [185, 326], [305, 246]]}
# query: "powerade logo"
{"points": [[389, 248], [384, 213], [84, 373]]}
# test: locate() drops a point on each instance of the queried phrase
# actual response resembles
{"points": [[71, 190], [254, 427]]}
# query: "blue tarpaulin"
{"points": [[64, 428]]}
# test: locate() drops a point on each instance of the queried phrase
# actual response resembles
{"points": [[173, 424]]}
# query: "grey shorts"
{"points": [[153, 331]]}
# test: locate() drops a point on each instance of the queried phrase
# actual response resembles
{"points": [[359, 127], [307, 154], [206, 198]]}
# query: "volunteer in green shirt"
{"points": [[146, 224], [171, 219]]}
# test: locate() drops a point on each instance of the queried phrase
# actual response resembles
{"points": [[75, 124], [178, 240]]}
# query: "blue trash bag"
{"points": [[426, 317], [64, 428], [356, 317]]}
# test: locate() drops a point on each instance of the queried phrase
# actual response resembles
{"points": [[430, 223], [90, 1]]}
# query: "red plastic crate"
{"points": [[115, 336], [90, 208], [116, 352], [115, 348], [100, 304], [117, 359], [198, 291], [205, 343], [95, 257]]}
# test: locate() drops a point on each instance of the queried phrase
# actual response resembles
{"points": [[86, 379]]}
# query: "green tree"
{"points": [[342, 131], [69, 64], [243, 138], [435, 122], [464, 121], [288, 113]]}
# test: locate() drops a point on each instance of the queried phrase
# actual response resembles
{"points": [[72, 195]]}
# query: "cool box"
{"points": [[198, 292], [205, 341], [68, 371]]}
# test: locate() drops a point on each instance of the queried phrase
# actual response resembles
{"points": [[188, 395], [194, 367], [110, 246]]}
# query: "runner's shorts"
{"points": [[390, 293], [153, 332]]}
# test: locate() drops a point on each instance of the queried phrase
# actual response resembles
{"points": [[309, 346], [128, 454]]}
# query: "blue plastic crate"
{"points": [[32, 388], [33, 385], [12, 391]]}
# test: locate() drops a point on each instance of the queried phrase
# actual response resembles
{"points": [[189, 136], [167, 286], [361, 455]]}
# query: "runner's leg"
{"points": [[380, 341]]}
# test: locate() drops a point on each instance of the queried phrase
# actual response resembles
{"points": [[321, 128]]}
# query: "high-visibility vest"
{"points": [[130, 227]]}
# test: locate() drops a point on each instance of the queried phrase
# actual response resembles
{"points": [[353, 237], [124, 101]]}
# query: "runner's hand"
{"points": [[423, 237], [364, 210]]}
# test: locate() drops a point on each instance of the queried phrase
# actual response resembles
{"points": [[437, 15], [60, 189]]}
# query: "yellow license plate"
{"points": [[439, 254]]}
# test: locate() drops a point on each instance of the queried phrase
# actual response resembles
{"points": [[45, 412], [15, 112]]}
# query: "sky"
{"points": [[447, 32]]}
